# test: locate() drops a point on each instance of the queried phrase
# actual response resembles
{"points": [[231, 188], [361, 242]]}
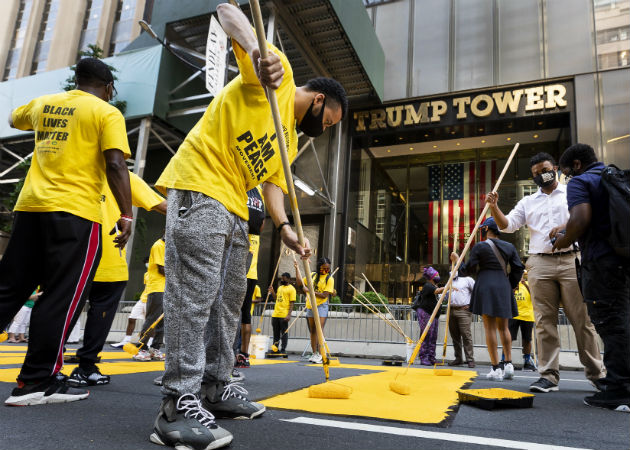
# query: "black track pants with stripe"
{"points": [[59, 252]]}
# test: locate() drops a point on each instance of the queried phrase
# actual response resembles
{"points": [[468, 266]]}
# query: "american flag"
{"points": [[451, 224]]}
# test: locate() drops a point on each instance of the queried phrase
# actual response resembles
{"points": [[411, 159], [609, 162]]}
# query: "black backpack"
{"points": [[617, 184]]}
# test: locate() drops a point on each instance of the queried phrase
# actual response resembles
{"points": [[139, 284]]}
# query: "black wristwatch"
{"points": [[279, 228]]}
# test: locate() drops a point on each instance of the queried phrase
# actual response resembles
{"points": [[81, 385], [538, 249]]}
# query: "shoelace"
{"points": [[193, 409], [234, 389]]}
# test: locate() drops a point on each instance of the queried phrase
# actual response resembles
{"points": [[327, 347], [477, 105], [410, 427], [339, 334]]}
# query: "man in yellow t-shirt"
{"points": [[524, 321], [155, 293], [109, 283], [80, 145], [285, 298], [232, 149], [324, 285]]}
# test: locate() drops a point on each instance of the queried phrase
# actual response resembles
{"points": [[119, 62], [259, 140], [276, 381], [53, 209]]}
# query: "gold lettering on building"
{"points": [[534, 98], [555, 96], [360, 117], [515, 101], [377, 119], [421, 116], [507, 99], [484, 111], [394, 115], [439, 109], [460, 103]]}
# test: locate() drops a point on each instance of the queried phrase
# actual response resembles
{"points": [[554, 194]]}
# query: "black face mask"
{"points": [[284, 283], [311, 124], [545, 179]]}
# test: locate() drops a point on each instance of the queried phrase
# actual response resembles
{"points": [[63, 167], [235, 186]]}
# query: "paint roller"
{"points": [[4, 336], [445, 372], [273, 277], [286, 166], [400, 387], [133, 349]]}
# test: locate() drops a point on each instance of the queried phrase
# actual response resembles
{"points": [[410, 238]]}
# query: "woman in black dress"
{"points": [[493, 294]]}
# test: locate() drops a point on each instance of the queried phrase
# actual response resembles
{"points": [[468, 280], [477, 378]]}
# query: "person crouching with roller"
{"points": [[324, 287], [493, 294]]}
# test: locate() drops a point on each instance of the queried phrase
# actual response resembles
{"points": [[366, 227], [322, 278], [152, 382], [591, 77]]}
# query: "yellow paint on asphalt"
{"points": [[14, 355], [429, 402]]}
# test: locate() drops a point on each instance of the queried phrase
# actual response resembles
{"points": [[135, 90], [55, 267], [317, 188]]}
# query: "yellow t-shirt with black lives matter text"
{"points": [[72, 130], [322, 286], [233, 147], [156, 281], [524, 304], [284, 297], [113, 265]]}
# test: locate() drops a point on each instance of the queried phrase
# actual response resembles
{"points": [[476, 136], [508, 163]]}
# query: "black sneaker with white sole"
{"points": [[184, 424], [617, 400], [543, 385], [228, 401], [52, 390], [87, 377]]}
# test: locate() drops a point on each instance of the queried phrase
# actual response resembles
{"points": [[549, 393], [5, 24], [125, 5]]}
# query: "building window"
{"points": [[44, 37], [612, 25], [91, 22], [13, 57], [121, 34]]}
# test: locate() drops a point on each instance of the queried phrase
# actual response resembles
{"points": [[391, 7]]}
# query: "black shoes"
{"points": [[228, 401], [616, 400], [89, 377], [184, 424], [52, 390], [543, 385]]}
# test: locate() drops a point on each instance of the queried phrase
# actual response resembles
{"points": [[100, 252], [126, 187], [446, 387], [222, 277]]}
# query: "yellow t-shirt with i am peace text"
{"points": [[72, 130], [233, 147]]}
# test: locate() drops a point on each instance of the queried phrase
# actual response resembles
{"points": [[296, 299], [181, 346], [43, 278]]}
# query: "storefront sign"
{"points": [[518, 102]]}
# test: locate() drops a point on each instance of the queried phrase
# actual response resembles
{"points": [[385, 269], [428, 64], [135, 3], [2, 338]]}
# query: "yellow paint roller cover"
{"points": [[330, 390], [400, 387]]}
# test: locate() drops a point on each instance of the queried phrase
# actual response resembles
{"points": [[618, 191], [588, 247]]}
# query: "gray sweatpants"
{"points": [[206, 250]]}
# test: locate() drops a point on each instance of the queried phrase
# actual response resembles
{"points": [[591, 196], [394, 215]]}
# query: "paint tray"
{"points": [[495, 398]]}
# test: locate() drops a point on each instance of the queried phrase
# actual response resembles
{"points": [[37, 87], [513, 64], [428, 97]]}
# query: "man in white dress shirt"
{"points": [[460, 319], [552, 275]]}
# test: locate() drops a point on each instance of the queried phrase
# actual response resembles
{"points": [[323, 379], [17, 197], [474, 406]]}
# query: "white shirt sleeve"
{"points": [[516, 218]]}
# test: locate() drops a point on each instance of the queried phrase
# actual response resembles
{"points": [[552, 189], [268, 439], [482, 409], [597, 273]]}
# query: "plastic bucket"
{"points": [[259, 345]]}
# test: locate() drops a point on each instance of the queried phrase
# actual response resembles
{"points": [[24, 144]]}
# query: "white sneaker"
{"points": [[156, 355], [312, 358], [142, 355], [508, 371], [119, 344], [495, 374], [316, 358]]}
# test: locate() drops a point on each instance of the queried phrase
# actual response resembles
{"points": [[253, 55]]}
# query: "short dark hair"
{"points": [[331, 89], [541, 157], [581, 152], [286, 274], [93, 72]]}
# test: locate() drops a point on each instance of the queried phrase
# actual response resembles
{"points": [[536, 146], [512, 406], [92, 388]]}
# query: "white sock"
{"points": [[127, 339]]}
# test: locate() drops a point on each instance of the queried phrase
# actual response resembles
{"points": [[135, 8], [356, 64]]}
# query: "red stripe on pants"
{"points": [[88, 264]]}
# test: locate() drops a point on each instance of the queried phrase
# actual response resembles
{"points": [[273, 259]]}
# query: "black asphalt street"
{"points": [[120, 416]]}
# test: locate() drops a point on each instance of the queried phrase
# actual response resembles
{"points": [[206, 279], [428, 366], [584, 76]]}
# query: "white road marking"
{"points": [[480, 440]]}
